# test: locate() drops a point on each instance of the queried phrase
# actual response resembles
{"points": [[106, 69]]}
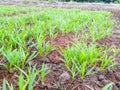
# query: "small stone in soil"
{"points": [[97, 69], [101, 77], [31, 62], [104, 82], [109, 72], [64, 77], [56, 68]]}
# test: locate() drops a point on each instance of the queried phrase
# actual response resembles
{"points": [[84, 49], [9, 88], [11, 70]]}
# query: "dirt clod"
{"points": [[63, 77], [101, 77], [104, 82], [97, 69], [56, 68], [55, 57], [45, 59]]}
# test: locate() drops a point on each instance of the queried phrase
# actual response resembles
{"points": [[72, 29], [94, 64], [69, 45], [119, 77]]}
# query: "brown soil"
{"points": [[5, 74], [58, 72], [63, 40]]}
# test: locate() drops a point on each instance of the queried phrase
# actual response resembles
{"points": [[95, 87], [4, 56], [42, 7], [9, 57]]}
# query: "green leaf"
{"points": [[21, 82], [108, 86], [4, 87]]}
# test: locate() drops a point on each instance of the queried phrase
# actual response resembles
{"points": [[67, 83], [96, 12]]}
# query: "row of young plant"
{"points": [[23, 38], [27, 80], [82, 59], [51, 20], [6, 10]]}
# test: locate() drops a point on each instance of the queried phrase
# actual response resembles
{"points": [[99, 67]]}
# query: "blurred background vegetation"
{"points": [[106, 1], [102, 1]]}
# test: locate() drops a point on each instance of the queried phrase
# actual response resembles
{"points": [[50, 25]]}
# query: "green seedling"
{"points": [[43, 73], [30, 77], [14, 57], [6, 85], [108, 59], [108, 87], [42, 46], [17, 57], [80, 56]]}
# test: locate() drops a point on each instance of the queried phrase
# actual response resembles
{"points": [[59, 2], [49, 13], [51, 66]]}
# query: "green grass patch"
{"points": [[23, 37]]}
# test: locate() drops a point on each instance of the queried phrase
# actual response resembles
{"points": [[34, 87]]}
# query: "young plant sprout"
{"points": [[80, 56]]}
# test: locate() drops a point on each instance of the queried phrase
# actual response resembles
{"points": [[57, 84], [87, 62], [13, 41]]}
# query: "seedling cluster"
{"points": [[23, 38]]}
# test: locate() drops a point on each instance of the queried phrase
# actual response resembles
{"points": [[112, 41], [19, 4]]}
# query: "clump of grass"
{"points": [[26, 80], [42, 46], [30, 82], [7, 85], [107, 59], [82, 59], [16, 57]]}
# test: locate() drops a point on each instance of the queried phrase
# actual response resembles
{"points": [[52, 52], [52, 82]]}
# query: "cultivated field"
{"points": [[46, 48]]}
